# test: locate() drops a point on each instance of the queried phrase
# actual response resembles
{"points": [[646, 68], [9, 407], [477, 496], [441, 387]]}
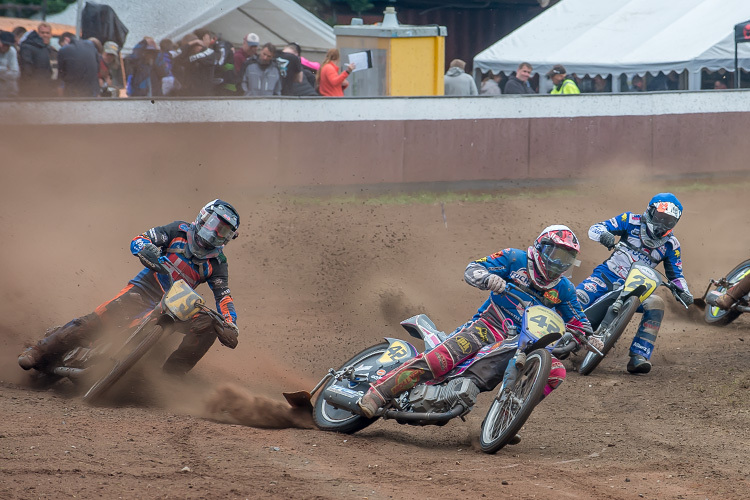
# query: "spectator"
{"points": [[249, 50], [18, 33], [309, 70], [65, 39], [262, 76], [224, 77], [164, 67], [490, 84], [330, 82], [720, 85], [601, 84], [78, 68], [457, 82], [9, 69], [637, 84], [34, 60], [293, 80], [563, 84], [142, 80], [196, 66], [519, 82], [111, 59]]}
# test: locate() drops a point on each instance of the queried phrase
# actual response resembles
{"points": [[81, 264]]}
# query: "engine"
{"points": [[443, 397]]}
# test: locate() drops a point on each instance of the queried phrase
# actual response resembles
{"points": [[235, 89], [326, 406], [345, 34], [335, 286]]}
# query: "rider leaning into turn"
{"points": [[539, 268], [651, 233], [197, 251]]}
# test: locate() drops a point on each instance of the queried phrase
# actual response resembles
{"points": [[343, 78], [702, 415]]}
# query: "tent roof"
{"points": [[275, 21], [626, 36]]}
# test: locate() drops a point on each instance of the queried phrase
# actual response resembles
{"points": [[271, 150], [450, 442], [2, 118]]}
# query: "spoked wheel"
{"points": [[511, 408], [720, 317], [328, 418], [618, 325], [129, 354]]}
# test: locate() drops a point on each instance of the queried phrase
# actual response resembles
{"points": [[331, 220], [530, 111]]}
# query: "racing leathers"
{"points": [[486, 327], [615, 269], [143, 293]]}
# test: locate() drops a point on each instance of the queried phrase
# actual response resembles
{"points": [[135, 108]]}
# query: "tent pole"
{"points": [[736, 69]]}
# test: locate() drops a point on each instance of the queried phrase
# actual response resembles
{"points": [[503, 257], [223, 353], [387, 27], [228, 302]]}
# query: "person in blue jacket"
{"points": [[196, 251], [652, 236], [539, 268]]}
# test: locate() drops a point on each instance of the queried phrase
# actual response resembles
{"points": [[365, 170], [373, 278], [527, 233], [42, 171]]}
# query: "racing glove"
{"points": [[495, 283], [228, 334], [149, 257], [607, 239]]}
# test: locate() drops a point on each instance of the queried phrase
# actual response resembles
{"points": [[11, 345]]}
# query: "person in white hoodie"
{"points": [[9, 70], [457, 82]]}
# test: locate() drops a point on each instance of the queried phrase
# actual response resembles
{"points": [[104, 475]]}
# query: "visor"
{"points": [[216, 231], [557, 260], [662, 222]]}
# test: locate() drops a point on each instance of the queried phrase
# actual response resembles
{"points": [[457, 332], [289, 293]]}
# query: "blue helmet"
{"points": [[660, 217]]}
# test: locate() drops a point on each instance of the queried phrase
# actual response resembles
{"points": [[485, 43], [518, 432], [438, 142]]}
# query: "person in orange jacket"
{"points": [[331, 83]]}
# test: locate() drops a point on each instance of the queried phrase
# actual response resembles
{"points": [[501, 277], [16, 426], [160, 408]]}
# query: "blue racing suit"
{"points": [[615, 269]]}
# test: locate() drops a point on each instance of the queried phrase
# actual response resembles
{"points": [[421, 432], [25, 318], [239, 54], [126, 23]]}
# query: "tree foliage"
{"points": [[22, 10]]}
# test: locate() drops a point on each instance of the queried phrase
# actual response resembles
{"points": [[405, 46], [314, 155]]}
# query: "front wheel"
{"points": [[328, 418], [125, 359], [616, 327], [512, 407], [720, 317]]}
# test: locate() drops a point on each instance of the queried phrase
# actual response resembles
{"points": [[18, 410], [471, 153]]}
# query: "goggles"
{"points": [[219, 228], [557, 260], [664, 217]]}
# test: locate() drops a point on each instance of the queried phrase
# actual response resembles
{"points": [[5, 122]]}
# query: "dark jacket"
{"points": [[36, 69], [78, 68], [516, 86]]}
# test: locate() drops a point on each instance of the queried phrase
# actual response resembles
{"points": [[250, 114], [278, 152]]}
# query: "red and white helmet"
{"points": [[554, 251]]}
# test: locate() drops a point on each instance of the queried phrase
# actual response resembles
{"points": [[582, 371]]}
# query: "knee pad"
{"points": [[440, 360]]}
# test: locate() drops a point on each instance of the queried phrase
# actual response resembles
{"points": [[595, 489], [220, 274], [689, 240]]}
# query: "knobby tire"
{"points": [[719, 317], [618, 325], [500, 425], [123, 365], [328, 418]]}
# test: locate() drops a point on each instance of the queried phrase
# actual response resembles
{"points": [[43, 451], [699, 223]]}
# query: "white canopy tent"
{"points": [[276, 21], [614, 37]]}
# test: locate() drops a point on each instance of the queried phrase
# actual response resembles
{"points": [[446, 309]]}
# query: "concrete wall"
{"points": [[340, 142]]}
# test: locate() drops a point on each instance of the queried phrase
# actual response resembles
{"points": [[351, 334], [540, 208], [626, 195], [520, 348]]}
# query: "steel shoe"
{"points": [[638, 364]]}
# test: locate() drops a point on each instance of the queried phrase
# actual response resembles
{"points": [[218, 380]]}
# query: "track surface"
{"points": [[316, 282]]}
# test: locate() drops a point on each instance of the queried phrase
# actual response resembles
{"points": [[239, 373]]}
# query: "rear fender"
{"points": [[422, 327]]}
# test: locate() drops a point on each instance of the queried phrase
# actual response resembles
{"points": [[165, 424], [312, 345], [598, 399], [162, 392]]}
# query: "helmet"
{"points": [[554, 251], [661, 216], [215, 226]]}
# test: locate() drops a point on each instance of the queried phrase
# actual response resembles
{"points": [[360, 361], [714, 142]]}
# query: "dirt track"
{"points": [[316, 282]]}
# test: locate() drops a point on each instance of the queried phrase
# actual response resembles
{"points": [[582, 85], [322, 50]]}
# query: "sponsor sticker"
{"points": [[463, 344], [552, 296], [406, 380]]}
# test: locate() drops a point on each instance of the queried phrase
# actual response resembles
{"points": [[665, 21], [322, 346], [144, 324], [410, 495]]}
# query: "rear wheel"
{"points": [[511, 408], [328, 418], [616, 327], [720, 317], [127, 356]]}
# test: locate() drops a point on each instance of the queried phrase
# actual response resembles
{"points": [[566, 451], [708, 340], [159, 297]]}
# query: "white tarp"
{"points": [[625, 36], [276, 21]]}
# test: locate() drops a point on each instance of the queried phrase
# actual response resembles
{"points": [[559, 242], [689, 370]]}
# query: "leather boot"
{"points": [[58, 341], [734, 294]]}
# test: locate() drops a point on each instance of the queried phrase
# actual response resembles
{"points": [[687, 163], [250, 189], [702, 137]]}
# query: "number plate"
{"points": [[182, 301]]}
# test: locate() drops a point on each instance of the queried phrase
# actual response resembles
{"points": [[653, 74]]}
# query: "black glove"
{"points": [[607, 239], [149, 257], [226, 332]]}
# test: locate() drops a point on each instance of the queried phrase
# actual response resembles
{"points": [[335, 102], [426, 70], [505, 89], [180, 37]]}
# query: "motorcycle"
{"points": [[106, 359], [720, 317], [520, 364], [611, 313]]}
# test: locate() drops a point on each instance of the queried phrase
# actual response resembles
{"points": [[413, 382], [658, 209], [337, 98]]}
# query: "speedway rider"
{"points": [[540, 268], [197, 251], [651, 233]]}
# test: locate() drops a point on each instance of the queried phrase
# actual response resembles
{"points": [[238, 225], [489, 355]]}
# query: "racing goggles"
{"points": [[664, 217], [557, 260], [219, 228]]}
